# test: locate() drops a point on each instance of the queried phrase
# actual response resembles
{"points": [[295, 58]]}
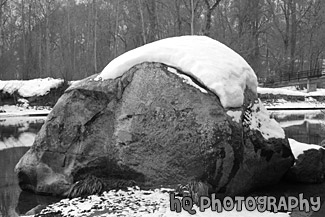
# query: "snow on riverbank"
{"points": [[290, 91], [136, 202], [25, 121], [29, 88], [306, 100], [284, 104], [15, 110]]}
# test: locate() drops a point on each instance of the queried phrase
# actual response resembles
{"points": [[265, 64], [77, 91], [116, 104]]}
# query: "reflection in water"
{"points": [[9, 189], [307, 132], [303, 126], [16, 135]]}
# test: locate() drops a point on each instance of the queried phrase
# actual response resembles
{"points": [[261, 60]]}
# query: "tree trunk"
{"points": [[23, 71], [178, 18], [208, 22], [2, 4], [192, 17], [151, 7], [142, 23], [95, 36], [255, 36], [293, 35], [116, 28], [47, 40], [287, 29]]}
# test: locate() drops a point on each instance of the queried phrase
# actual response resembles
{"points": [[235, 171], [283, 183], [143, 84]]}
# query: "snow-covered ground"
{"points": [[290, 91], [136, 202], [29, 88], [15, 110], [309, 102]]}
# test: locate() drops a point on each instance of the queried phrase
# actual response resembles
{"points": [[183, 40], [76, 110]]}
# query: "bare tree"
{"points": [[142, 23], [192, 17], [210, 8]]}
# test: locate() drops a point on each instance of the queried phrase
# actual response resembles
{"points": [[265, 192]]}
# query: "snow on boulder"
{"points": [[210, 62], [259, 119], [156, 128], [309, 164], [298, 148], [30, 88]]}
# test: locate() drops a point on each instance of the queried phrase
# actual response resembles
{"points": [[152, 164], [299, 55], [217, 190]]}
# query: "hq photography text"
{"points": [[260, 203]]}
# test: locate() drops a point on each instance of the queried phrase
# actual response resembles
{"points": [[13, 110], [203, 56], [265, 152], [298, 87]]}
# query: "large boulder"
{"points": [[156, 127]]}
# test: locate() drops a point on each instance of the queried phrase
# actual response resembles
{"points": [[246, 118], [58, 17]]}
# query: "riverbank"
{"points": [[38, 96], [290, 98]]}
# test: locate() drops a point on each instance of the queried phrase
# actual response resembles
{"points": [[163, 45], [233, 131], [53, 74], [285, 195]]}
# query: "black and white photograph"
{"points": [[163, 108]]}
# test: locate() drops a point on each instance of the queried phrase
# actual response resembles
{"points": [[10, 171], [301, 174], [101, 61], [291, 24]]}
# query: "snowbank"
{"points": [[283, 104], [29, 88], [290, 91], [136, 202], [298, 148], [13, 110], [210, 62]]}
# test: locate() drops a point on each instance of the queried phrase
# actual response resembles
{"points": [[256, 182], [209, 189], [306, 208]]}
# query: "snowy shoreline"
{"points": [[285, 98]]}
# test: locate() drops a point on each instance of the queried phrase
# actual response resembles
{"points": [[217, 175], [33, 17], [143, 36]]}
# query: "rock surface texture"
{"points": [[151, 127], [309, 167]]}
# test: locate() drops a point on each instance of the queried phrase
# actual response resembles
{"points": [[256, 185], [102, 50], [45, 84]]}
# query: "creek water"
{"points": [[17, 134]]}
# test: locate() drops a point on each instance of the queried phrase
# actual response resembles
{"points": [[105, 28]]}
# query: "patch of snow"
{"points": [[29, 88], [280, 91], [236, 115], [136, 202], [310, 99], [210, 62], [186, 79], [298, 148], [281, 103], [14, 110], [290, 91], [21, 120], [24, 102], [260, 120]]}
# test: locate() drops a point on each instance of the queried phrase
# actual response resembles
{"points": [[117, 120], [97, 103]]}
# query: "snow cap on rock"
{"points": [[299, 148], [213, 64]]}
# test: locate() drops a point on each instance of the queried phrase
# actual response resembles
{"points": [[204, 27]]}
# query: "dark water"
{"points": [[15, 133], [303, 126]]}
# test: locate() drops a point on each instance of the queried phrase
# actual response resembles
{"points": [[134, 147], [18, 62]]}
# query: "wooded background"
{"points": [[72, 39]]}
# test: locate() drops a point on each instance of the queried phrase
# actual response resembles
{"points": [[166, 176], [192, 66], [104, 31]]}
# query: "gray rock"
{"points": [[309, 167], [151, 127], [36, 210]]}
